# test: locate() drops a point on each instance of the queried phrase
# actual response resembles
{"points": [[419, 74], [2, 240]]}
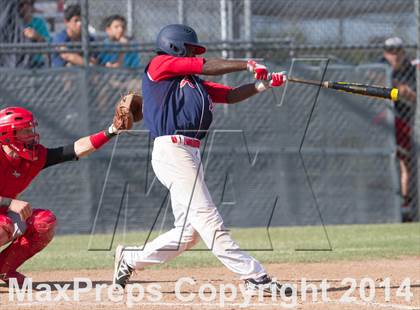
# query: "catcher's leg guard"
{"points": [[6, 229], [39, 232]]}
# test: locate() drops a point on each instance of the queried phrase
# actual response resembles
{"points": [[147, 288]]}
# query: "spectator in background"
{"points": [[416, 62], [115, 26], [404, 78], [35, 30], [72, 33], [11, 31]]}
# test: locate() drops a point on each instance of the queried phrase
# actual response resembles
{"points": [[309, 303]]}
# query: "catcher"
{"points": [[22, 157]]}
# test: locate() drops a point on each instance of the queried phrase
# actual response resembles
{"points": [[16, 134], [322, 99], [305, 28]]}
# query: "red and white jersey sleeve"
{"points": [[163, 67], [217, 92]]}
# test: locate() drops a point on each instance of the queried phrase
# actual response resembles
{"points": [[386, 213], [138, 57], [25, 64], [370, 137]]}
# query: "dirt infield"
{"points": [[162, 283]]}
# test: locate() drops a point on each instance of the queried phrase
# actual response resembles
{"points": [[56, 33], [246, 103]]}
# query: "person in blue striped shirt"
{"points": [[115, 27]]}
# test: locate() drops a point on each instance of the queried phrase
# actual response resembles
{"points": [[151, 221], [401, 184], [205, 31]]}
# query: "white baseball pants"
{"points": [[178, 167]]}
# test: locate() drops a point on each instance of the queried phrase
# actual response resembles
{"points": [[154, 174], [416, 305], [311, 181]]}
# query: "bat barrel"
{"points": [[366, 90]]}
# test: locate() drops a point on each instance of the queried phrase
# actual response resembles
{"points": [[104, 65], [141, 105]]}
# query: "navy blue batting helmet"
{"points": [[172, 40]]}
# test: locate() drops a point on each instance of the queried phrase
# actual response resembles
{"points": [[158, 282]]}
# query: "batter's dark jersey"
{"points": [[175, 100]]}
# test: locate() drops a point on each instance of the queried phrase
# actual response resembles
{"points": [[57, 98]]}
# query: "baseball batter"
{"points": [[178, 109], [22, 158]]}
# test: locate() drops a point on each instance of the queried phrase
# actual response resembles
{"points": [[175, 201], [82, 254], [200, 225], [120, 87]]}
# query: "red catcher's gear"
{"points": [[6, 226], [39, 232], [26, 144]]}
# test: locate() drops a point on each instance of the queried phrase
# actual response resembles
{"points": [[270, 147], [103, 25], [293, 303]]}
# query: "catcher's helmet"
{"points": [[18, 131], [172, 40]]}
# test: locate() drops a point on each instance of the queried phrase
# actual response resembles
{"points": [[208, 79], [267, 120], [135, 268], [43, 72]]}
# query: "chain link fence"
{"points": [[360, 153], [277, 30]]}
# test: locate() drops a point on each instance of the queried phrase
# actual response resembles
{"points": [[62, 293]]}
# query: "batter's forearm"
{"points": [[222, 66], [241, 93], [245, 91]]}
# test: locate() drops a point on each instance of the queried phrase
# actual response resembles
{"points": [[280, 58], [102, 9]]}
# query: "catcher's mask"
{"points": [[18, 131], [174, 39]]}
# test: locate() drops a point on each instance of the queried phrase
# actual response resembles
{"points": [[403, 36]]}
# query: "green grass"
{"points": [[349, 242]]}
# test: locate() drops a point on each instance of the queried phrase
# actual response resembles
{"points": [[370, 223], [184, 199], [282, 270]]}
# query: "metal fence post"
{"points": [[130, 17], [181, 12], [417, 117], [85, 90], [85, 32], [223, 25], [248, 26]]}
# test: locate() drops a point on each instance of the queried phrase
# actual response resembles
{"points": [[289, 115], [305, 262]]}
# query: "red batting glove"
{"points": [[278, 78], [260, 71]]}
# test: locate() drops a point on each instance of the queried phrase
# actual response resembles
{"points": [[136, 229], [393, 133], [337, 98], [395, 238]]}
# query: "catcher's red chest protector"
{"points": [[16, 175]]}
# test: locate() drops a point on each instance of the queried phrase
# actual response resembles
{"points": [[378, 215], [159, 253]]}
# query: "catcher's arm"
{"points": [[80, 148], [127, 111], [87, 145]]}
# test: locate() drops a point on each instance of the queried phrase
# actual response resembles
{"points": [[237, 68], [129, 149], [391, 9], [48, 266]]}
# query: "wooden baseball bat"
{"points": [[353, 88]]}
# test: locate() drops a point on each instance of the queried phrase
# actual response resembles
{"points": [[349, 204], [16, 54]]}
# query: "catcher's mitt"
{"points": [[128, 110]]}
